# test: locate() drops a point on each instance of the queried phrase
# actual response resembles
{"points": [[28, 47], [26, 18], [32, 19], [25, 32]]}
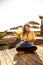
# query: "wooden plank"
{"points": [[8, 61], [31, 58], [15, 57], [25, 59], [2, 59], [21, 58], [40, 52], [35, 60], [18, 57], [36, 57], [9, 57]]}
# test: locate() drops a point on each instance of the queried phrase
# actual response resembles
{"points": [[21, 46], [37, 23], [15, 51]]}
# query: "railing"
{"points": [[39, 38]]}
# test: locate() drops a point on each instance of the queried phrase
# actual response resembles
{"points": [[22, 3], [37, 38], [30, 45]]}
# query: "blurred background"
{"points": [[18, 12]]}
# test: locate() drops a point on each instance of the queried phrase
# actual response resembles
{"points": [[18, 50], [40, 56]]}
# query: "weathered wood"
{"points": [[10, 57], [8, 60], [2, 59]]}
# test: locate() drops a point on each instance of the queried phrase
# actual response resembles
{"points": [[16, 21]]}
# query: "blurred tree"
{"points": [[3, 34]]}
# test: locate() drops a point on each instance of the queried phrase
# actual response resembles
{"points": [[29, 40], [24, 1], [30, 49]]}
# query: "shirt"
{"points": [[30, 37]]}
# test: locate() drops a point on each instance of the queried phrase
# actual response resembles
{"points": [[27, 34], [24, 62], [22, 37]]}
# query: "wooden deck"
{"points": [[9, 57]]}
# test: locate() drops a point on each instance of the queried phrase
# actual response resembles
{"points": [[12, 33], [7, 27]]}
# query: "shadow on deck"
{"points": [[28, 59], [10, 57]]}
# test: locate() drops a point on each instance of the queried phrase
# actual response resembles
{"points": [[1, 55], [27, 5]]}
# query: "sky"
{"points": [[18, 12]]}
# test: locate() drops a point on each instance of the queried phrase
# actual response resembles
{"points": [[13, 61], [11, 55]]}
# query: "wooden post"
{"points": [[41, 17]]}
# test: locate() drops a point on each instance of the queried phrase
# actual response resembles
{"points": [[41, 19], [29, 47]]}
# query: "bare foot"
{"points": [[19, 53]]}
